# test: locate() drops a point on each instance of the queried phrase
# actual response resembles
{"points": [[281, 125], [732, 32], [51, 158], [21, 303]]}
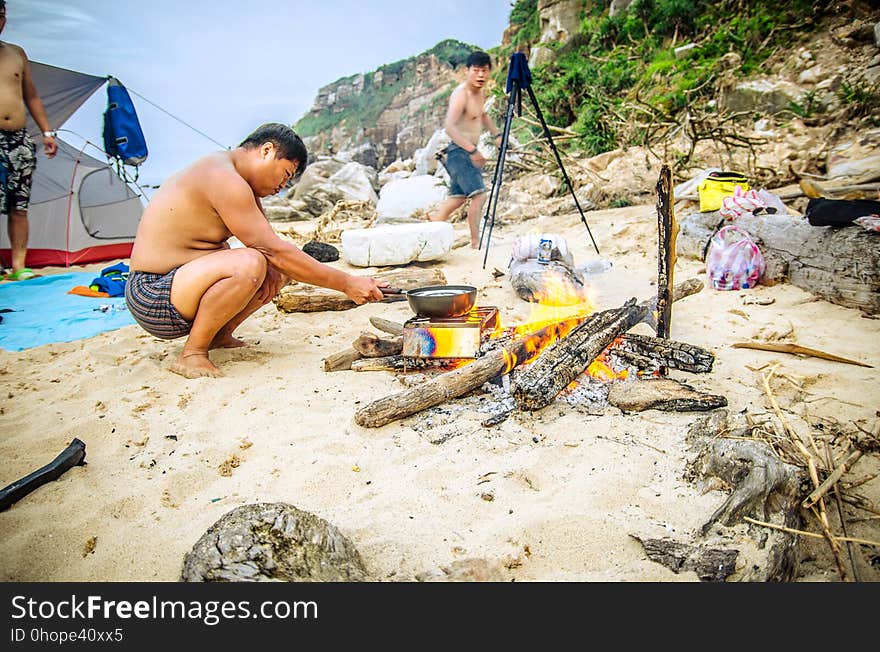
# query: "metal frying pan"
{"points": [[438, 301]]}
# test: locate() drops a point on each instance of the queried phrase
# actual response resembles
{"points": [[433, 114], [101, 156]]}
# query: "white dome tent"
{"points": [[80, 210]]}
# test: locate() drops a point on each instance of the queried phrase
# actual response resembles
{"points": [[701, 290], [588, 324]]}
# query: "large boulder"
{"points": [[405, 197], [397, 244], [426, 157], [763, 96], [271, 542]]}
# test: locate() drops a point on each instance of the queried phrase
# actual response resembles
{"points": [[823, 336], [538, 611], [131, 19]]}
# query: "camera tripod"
{"points": [[519, 77]]}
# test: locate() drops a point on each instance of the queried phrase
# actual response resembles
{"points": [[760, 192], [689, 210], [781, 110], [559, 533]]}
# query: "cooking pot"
{"points": [[438, 301]]}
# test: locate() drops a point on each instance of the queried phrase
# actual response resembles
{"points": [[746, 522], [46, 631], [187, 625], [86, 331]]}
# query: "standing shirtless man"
{"points": [[17, 151], [465, 120], [185, 280]]}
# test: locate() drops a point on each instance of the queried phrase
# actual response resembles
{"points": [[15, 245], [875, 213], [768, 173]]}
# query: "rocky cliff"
{"points": [[388, 113]]}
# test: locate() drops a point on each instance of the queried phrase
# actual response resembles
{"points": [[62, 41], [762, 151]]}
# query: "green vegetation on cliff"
{"points": [[360, 110], [617, 78]]}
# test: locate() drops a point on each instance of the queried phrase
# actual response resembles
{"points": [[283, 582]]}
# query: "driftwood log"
{"points": [[710, 564], [761, 487], [370, 345], [564, 360], [661, 394], [301, 297], [387, 326], [456, 382], [341, 361], [840, 265], [648, 353]]}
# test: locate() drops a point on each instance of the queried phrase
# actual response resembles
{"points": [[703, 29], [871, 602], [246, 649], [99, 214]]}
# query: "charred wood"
{"points": [[457, 382], [649, 353], [567, 358], [710, 564], [668, 232]]}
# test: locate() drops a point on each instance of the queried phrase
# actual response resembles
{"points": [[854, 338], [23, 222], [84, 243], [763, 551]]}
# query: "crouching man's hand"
{"points": [[363, 289], [272, 285]]}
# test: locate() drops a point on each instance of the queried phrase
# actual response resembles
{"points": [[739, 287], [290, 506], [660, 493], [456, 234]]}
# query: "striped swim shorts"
{"points": [[148, 297]]}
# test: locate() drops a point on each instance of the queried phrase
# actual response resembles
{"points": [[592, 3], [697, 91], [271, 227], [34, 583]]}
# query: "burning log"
{"points": [[301, 297], [649, 353], [566, 359], [370, 345], [458, 381]]}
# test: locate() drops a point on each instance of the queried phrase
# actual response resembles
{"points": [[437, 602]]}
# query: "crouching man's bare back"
{"points": [[186, 281]]}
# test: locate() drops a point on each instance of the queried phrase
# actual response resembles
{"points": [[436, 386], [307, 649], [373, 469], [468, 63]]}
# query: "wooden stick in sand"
{"points": [[785, 347]]}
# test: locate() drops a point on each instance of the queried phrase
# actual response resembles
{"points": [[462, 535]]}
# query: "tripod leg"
{"points": [[499, 169], [502, 154], [559, 162]]}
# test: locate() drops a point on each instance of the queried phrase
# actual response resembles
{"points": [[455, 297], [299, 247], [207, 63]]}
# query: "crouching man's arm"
{"points": [[238, 208]]}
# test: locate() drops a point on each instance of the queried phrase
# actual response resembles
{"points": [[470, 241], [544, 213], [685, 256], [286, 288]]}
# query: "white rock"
{"points": [[353, 182], [810, 75], [425, 158], [403, 197], [397, 244], [682, 51]]}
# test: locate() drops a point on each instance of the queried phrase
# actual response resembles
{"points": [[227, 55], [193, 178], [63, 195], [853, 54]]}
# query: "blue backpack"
{"points": [[123, 138]]}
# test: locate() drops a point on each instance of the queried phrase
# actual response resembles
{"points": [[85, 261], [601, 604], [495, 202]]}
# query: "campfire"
{"points": [[565, 343]]}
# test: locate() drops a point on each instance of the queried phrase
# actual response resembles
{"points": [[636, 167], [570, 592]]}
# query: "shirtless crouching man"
{"points": [[185, 280]]}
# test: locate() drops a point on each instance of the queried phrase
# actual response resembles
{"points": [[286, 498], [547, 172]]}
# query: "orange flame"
{"points": [[558, 309]]}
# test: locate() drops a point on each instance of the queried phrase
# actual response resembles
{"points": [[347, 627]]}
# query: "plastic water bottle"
{"points": [[598, 266]]}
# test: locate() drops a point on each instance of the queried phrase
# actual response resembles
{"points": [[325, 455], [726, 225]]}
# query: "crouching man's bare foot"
{"points": [[226, 341], [195, 365]]}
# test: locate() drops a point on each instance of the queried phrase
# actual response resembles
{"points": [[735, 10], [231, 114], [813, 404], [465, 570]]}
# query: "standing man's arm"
{"points": [[491, 128], [35, 105]]}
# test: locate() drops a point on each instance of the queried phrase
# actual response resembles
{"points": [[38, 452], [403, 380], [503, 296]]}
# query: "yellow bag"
{"points": [[717, 186]]}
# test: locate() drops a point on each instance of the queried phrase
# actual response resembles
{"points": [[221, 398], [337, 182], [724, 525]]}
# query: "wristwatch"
{"points": [[50, 134]]}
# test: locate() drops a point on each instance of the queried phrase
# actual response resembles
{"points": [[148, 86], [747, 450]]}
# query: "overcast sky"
{"points": [[226, 66]]}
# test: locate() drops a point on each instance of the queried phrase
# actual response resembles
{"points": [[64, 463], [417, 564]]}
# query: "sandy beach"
{"points": [[553, 495]]}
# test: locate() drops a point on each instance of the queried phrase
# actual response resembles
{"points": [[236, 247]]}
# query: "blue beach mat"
{"points": [[45, 313]]}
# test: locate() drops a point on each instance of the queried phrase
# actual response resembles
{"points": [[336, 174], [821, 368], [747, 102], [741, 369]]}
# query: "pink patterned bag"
{"points": [[734, 261]]}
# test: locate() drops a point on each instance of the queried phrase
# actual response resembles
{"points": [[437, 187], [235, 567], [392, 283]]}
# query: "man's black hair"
{"points": [[478, 59], [287, 144]]}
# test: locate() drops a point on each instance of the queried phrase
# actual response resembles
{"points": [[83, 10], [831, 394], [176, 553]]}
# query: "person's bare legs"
{"points": [[18, 238], [218, 292], [474, 215], [446, 209]]}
